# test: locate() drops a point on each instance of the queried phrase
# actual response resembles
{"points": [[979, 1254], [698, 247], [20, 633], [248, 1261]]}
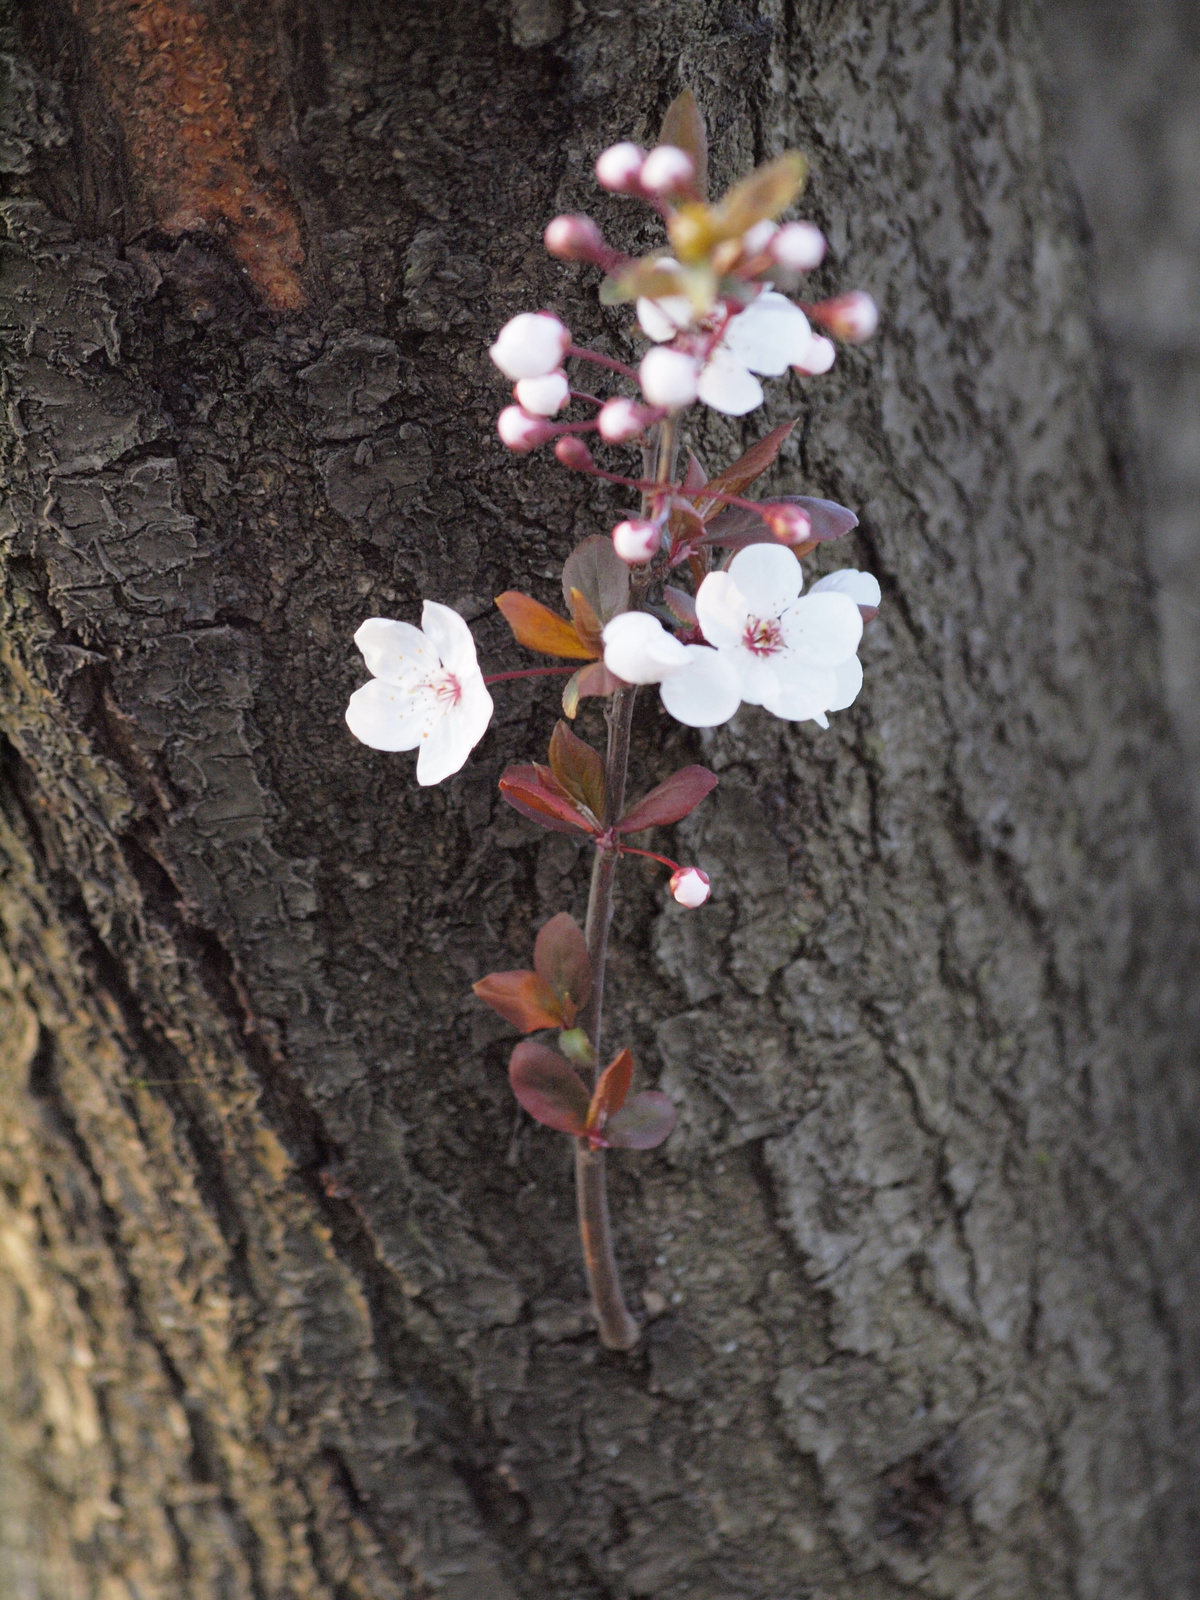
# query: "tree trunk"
{"points": [[291, 1297]]}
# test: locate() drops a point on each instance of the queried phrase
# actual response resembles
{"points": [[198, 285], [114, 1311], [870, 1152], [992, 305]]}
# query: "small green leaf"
{"points": [[577, 1047]]}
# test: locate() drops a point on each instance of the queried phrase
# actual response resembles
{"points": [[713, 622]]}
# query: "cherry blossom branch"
{"points": [[528, 672]]}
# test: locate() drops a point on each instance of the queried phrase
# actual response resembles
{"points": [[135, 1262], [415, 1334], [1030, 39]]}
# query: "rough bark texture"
{"points": [[291, 1303]]}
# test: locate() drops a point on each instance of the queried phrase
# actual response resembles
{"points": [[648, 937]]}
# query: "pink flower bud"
{"points": [[543, 396], [530, 346], [758, 238], [853, 317], [521, 432], [575, 238], [619, 168], [636, 540], [790, 524], [690, 887], [669, 378], [573, 453], [667, 170], [799, 246], [818, 358], [620, 420]]}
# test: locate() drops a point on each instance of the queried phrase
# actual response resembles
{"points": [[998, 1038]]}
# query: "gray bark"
{"points": [[291, 1298]]}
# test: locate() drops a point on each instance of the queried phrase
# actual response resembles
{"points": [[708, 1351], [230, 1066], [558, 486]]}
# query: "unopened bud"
{"points": [[543, 396], [573, 453], [799, 246], [669, 378], [531, 345], [790, 524], [818, 358], [619, 168], [690, 887], [636, 540], [620, 420], [757, 239], [575, 238], [521, 432], [853, 317], [667, 170]]}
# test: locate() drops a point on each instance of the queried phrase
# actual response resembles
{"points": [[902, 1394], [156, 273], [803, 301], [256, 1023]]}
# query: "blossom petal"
{"points": [[727, 385], [769, 577], [769, 335], [759, 674], [803, 693], [445, 748], [849, 675], [822, 630], [662, 319], [706, 693], [396, 651], [387, 716], [640, 650], [862, 587], [721, 610], [451, 638]]}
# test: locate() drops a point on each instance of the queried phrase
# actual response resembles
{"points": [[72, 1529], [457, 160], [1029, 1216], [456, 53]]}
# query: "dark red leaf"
{"points": [[611, 1089], [579, 769], [525, 999], [525, 791], [642, 1123], [679, 795], [549, 1089], [587, 624], [594, 679], [737, 527], [736, 479], [561, 958], [597, 571], [695, 477]]}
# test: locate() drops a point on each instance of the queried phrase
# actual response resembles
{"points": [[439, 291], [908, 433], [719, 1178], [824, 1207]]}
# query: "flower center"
{"points": [[763, 636], [447, 691]]}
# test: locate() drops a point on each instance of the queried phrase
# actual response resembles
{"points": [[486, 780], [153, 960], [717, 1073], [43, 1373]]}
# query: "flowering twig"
{"points": [[746, 634]]}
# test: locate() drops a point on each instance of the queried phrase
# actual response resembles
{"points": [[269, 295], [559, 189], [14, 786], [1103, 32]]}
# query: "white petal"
{"points": [[822, 630], [448, 743], [769, 577], [662, 319], [543, 397], [395, 651], [640, 650], [727, 385], [450, 637], [721, 611], [759, 675], [668, 378], [706, 693], [849, 675], [804, 694], [387, 717], [862, 587], [769, 335]]}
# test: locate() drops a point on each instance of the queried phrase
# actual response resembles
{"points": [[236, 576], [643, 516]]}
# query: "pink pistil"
{"points": [[763, 636]]}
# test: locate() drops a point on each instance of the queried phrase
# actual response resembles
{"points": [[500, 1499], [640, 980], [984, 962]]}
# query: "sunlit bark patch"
{"points": [[173, 85]]}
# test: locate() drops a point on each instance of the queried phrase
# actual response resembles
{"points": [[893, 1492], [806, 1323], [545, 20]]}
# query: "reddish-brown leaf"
{"points": [[695, 477], [611, 1089], [683, 126], [524, 790], [686, 529], [587, 624], [641, 1123], [682, 605], [561, 958], [539, 628], [579, 769], [523, 998], [594, 679], [549, 1089], [602, 578], [736, 479], [680, 794]]}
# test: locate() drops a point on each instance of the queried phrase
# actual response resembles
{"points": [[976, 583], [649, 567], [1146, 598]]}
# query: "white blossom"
{"points": [[768, 337], [530, 345], [544, 396], [791, 655], [638, 649], [706, 692], [669, 378], [426, 691], [690, 886]]}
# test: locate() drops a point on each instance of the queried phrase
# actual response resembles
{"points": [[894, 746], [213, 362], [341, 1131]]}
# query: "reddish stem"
{"points": [[527, 672], [601, 361], [631, 850]]}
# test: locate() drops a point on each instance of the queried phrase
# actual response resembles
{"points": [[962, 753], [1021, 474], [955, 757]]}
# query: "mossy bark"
{"points": [[290, 1297]]}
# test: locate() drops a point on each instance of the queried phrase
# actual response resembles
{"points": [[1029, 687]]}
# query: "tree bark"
{"points": [[292, 1304]]}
